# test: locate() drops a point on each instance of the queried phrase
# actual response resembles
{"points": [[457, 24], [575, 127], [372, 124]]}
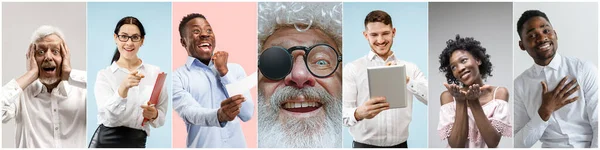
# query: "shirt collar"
{"points": [[191, 61], [372, 56], [114, 67], [554, 64], [63, 88]]}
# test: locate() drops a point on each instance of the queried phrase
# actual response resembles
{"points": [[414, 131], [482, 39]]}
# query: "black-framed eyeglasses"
{"points": [[125, 38], [321, 60]]}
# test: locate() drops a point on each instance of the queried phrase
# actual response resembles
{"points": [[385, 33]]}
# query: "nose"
{"points": [[300, 76], [541, 38], [129, 41], [204, 34], [379, 40], [48, 55], [461, 68]]}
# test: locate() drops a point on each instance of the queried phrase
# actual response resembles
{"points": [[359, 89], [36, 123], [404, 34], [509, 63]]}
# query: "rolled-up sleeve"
{"points": [[186, 106]]}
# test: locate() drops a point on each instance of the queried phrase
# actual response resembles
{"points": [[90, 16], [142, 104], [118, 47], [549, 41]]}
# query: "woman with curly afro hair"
{"points": [[473, 114]]}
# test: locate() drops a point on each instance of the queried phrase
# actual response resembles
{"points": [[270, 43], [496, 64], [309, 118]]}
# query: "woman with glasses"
{"points": [[473, 113], [123, 91]]}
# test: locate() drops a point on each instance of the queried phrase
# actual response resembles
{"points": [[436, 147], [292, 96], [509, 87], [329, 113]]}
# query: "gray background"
{"points": [[19, 21], [576, 25], [489, 23]]}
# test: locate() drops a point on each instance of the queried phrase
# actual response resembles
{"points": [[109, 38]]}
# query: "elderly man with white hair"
{"points": [[300, 80], [48, 112]]}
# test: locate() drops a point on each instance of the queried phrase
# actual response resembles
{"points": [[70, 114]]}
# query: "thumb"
{"points": [[544, 87], [134, 73], [484, 87], [447, 86]]}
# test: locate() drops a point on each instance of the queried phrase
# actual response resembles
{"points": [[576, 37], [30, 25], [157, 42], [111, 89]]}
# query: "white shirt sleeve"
{"points": [[78, 78], [529, 130], [591, 98], [349, 95], [189, 110], [161, 107], [418, 85], [10, 100], [108, 99]]}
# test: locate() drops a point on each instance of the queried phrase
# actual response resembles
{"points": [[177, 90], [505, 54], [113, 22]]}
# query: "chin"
{"points": [[50, 80]]}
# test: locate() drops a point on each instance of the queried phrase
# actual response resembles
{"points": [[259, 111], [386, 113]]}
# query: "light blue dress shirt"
{"points": [[198, 91]]}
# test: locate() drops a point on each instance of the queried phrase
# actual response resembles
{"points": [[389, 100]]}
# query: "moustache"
{"points": [[48, 64]]}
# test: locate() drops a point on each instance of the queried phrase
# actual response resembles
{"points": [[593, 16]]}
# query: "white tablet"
{"points": [[388, 82]]}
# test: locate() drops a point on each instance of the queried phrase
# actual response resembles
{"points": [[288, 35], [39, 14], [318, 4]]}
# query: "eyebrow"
{"points": [[128, 34], [48, 45], [458, 59], [287, 42], [542, 26], [196, 25]]}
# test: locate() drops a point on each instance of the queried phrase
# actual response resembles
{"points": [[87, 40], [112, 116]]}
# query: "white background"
{"points": [[576, 26]]}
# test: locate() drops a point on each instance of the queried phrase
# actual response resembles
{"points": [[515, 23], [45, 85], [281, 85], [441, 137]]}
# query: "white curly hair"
{"points": [[326, 16], [44, 31]]}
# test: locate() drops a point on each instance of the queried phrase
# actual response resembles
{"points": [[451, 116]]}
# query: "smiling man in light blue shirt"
{"points": [[200, 97]]}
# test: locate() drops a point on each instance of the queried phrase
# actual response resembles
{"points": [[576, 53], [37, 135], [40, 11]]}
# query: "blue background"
{"points": [[156, 50], [410, 44]]}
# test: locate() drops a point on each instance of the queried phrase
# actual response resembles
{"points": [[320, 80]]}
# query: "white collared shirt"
{"points": [[389, 127], [54, 119], [573, 125], [114, 111]]}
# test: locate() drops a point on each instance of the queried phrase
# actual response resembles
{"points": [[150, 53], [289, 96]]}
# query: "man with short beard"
{"points": [[48, 101], [199, 94], [556, 99], [299, 84], [372, 124]]}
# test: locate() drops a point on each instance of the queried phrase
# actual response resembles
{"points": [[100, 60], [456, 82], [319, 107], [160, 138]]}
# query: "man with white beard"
{"points": [[300, 80], [48, 101]]}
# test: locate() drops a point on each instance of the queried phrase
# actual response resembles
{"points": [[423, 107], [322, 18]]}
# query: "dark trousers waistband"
{"points": [[118, 137], [363, 145]]}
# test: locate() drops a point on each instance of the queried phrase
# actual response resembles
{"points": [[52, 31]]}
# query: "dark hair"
{"points": [[378, 16], [187, 19], [127, 20], [467, 44], [528, 15]]}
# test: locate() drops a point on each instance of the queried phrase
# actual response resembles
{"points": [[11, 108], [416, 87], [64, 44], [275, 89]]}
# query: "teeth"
{"points": [[546, 45], [301, 104], [204, 44]]}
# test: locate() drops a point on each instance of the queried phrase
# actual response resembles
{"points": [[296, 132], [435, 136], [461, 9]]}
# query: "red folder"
{"points": [[160, 81]]}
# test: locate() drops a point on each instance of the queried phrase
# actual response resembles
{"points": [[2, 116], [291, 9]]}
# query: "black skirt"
{"points": [[118, 137]]}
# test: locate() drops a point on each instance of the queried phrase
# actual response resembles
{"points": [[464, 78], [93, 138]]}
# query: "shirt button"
{"points": [[54, 110], [55, 128]]}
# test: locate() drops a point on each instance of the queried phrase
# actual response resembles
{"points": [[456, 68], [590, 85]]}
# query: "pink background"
{"points": [[234, 25]]}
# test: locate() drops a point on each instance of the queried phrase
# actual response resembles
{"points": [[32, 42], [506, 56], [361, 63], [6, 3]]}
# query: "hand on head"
{"points": [[66, 61], [32, 65]]}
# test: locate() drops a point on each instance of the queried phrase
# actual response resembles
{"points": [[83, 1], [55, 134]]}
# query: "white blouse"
{"points": [[114, 111]]}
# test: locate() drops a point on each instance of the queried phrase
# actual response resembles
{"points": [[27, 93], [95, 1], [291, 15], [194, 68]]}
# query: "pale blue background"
{"points": [[102, 19], [410, 44]]}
